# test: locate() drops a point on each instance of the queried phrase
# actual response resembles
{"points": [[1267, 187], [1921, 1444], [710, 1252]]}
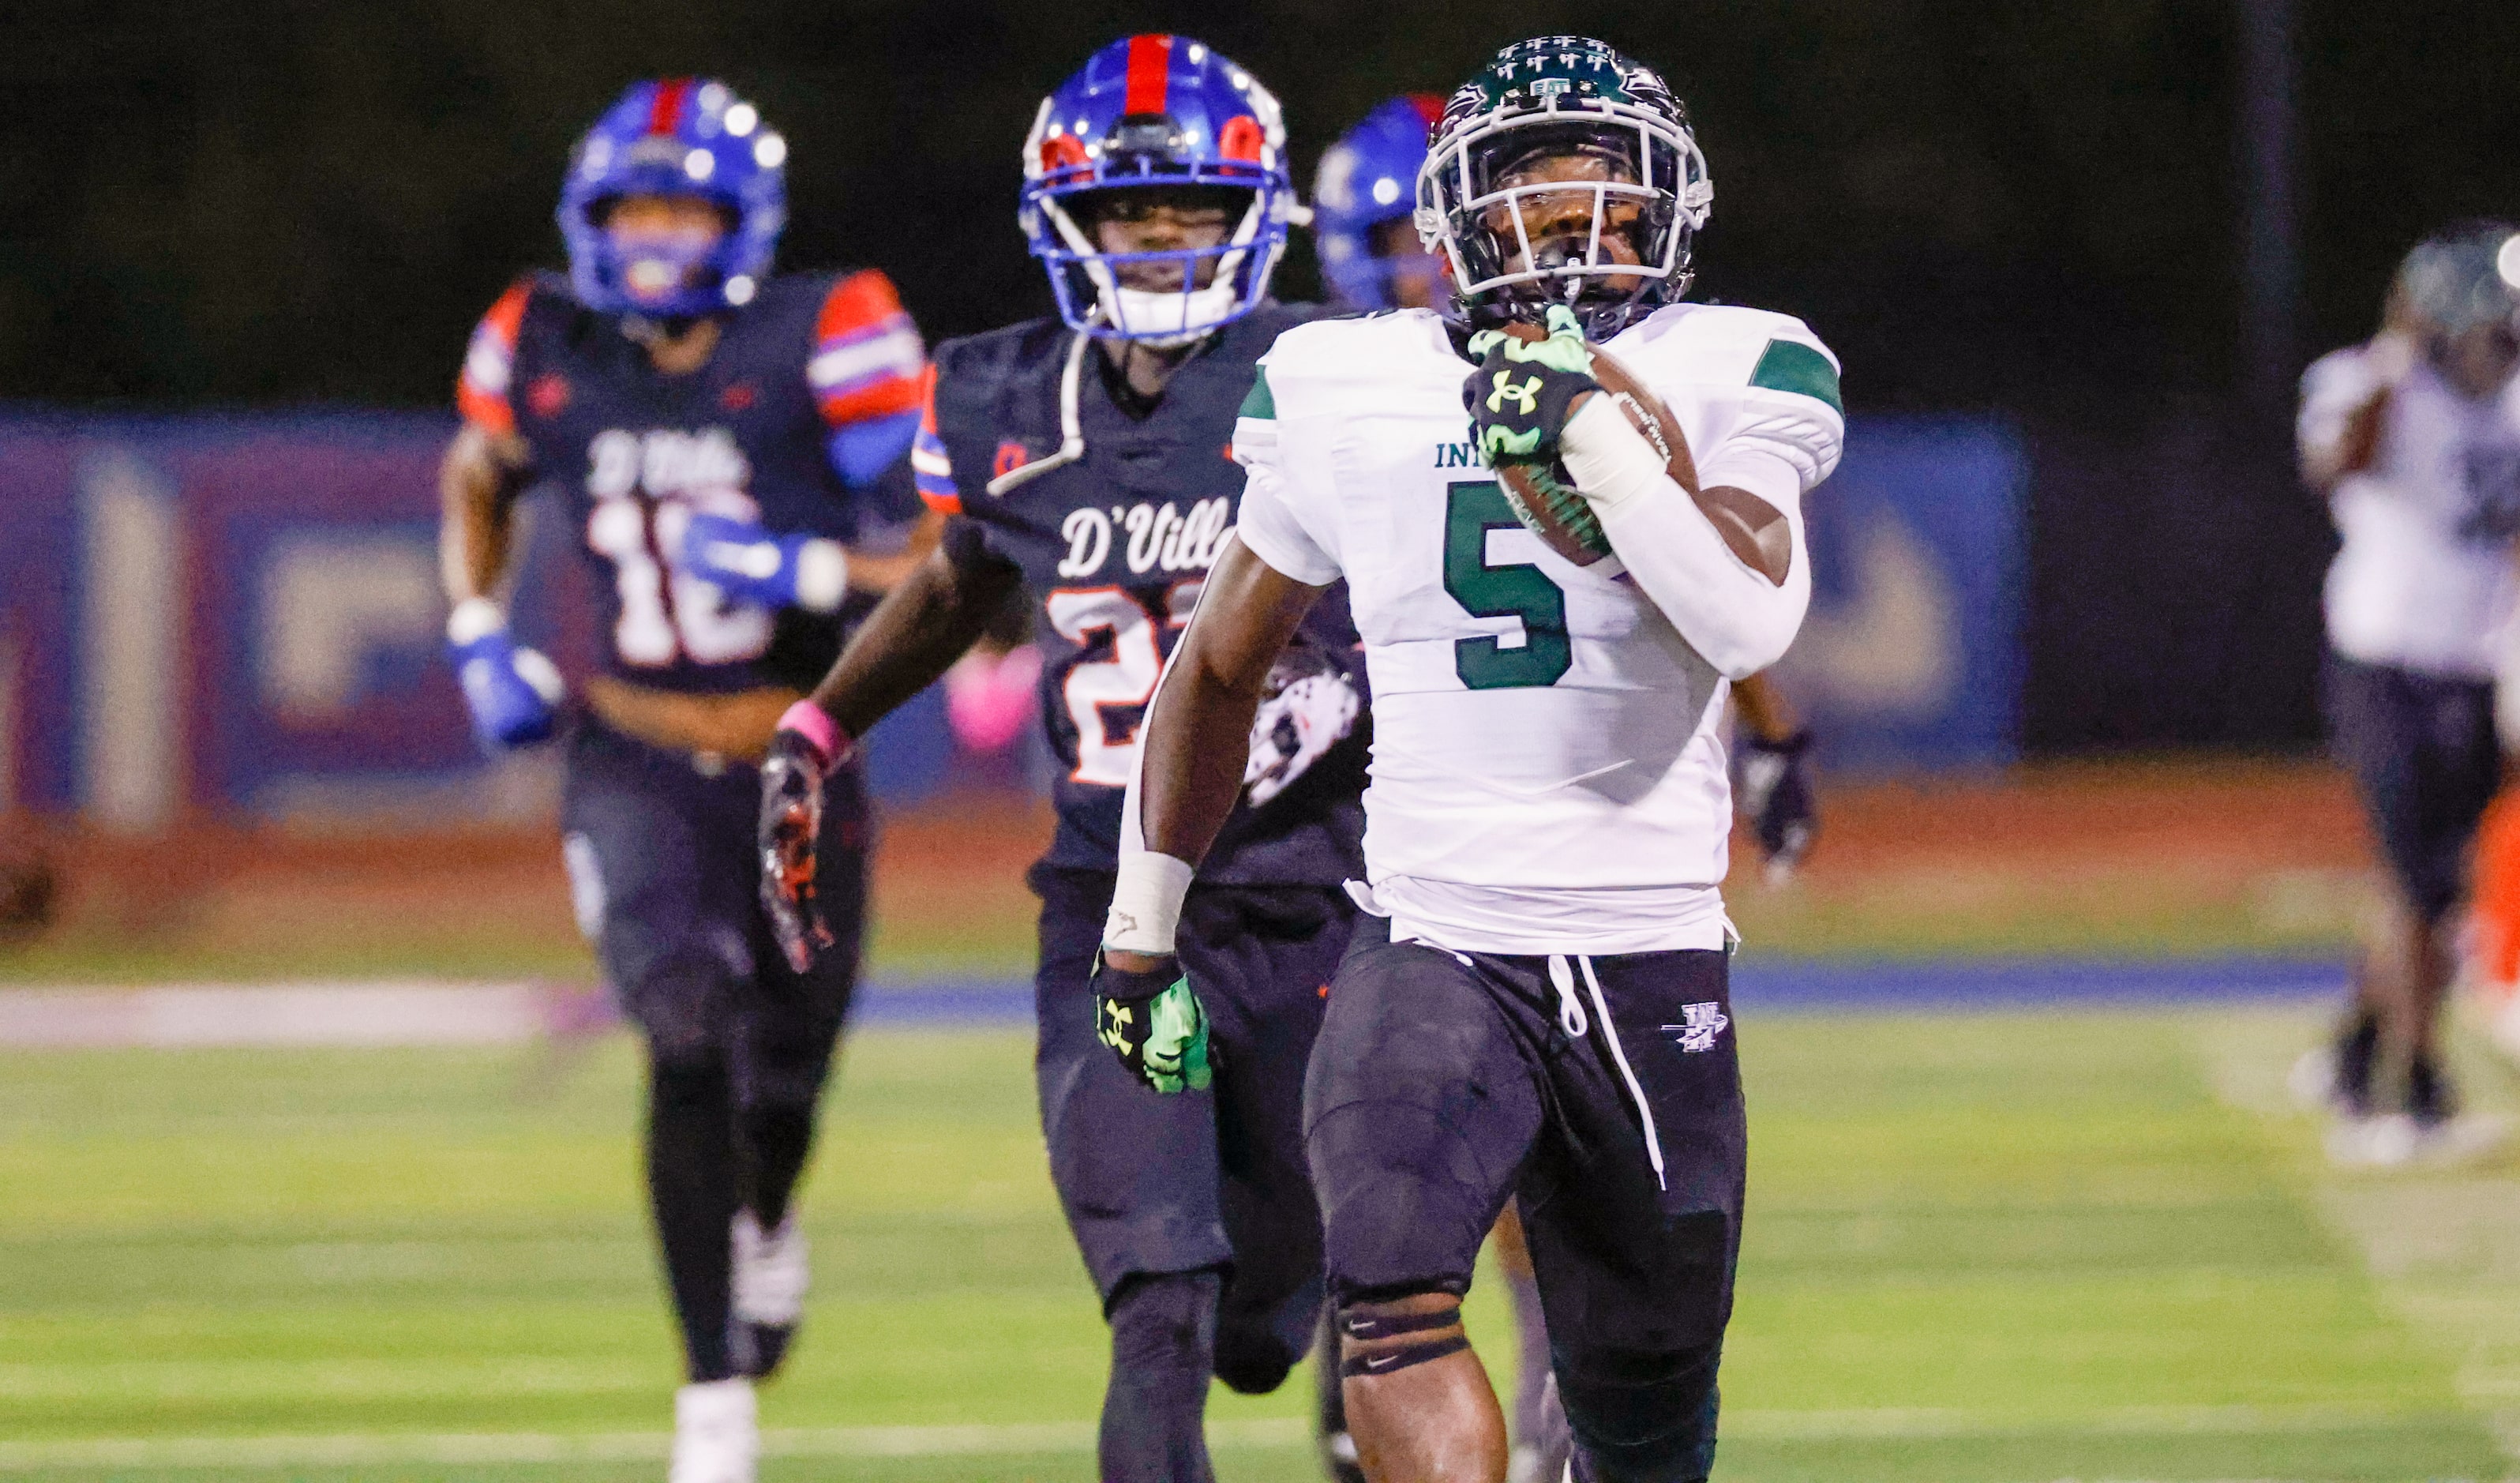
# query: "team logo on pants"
{"points": [[1701, 1023]]}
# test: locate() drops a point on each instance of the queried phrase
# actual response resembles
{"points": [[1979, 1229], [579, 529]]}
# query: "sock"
{"points": [[691, 1190], [2357, 1049], [1163, 1343]]}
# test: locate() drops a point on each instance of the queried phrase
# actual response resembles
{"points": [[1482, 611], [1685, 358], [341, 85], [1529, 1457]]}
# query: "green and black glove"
{"points": [[1153, 1022], [1523, 391]]}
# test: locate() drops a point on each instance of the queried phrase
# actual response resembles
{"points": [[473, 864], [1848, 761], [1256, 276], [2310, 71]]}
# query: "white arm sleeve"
{"points": [[1733, 617]]}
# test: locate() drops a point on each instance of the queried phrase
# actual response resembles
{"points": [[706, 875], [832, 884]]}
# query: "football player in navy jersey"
{"points": [[1084, 460], [732, 448]]}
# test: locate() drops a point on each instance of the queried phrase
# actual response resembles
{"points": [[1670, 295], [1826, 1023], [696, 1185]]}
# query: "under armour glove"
{"points": [[750, 564], [1523, 391], [512, 690], [802, 754], [1152, 1021], [1776, 794], [1307, 706]]}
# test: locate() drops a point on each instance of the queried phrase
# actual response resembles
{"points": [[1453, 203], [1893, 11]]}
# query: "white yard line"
{"points": [[422, 1450], [411, 1013]]}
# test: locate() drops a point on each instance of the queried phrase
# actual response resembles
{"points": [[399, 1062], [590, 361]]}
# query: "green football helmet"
{"points": [[2464, 279], [1564, 174]]}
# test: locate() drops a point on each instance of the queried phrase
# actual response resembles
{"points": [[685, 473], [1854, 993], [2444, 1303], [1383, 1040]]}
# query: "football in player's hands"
{"points": [[1542, 494], [1527, 384]]}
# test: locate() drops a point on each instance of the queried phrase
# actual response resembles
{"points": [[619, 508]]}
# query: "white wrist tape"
{"points": [[473, 618], [1146, 903], [1609, 459], [821, 575]]}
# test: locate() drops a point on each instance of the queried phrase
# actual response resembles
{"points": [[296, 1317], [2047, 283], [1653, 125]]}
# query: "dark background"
{"points": [[2027, 210]]}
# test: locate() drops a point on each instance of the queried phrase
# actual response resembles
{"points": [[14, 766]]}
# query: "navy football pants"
{"points": [[1604, 1095], [2425, 759], [1154, 1184], [663, 874]]}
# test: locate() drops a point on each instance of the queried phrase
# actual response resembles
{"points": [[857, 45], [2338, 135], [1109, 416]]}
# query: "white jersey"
{"points": [[1548, 771], [2423, 580]]}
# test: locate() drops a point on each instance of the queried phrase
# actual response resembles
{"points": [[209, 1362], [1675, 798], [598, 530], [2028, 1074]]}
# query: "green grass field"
{"points": [[1987, 1247]]}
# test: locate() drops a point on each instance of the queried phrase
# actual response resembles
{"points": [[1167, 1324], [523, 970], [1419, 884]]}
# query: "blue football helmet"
{"points": [[1157, 110], [1365, 179], [675, 137]]}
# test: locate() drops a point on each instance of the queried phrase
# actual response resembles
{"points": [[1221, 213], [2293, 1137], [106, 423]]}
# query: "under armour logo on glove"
{"points": [[1152, 1020], [1527, 395], [1526, 389]]}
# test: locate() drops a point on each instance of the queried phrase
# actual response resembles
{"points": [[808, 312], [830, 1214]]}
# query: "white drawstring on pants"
{"points": [[1571, 1019]]}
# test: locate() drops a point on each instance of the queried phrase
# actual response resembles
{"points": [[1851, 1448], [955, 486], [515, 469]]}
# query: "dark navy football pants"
{"points": [[1155, 1184], [1608, 1103], [662, 870], [664, 875], [2426, 762]]}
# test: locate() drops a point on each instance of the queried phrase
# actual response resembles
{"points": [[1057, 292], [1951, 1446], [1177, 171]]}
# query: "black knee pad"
{"points": [[1642, 1417], [1385, 1337]]}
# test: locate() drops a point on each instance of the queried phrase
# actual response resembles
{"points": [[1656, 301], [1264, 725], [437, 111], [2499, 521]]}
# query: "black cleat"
{"points": [[2357, 1054]]}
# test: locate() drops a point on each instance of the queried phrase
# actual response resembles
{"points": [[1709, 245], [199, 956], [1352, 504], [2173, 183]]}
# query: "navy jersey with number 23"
{"points": [[1115, 538]]}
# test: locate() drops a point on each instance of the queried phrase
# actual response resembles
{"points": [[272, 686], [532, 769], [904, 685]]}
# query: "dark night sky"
{"points": [[1977, 202]]}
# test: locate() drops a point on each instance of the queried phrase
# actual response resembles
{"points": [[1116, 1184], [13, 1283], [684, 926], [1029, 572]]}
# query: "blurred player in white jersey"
{"points": [[1536, 1008], [2415, 439]]}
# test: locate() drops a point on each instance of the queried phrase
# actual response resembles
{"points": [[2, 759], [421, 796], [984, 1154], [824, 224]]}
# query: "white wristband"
{"points": [[1146, 903], [821, 575], [473, 618]]}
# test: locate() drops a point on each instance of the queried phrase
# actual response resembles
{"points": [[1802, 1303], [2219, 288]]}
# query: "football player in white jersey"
{"points": [[1538, 1009], [2415, 439]]}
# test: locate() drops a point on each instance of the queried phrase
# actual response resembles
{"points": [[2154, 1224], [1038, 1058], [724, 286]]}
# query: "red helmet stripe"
{"points": [[667, 110], [1150, 74]]}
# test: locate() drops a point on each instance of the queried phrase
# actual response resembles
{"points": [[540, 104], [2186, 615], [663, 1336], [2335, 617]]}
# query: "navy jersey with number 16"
{"points": [[1114, 515], [816, 371]]}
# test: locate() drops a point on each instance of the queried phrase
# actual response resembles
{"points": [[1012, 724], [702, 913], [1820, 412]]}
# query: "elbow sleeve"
{"points": [[1733, 617]]}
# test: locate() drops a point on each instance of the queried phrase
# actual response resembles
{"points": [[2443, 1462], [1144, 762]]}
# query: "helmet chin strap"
{"points": [[656, 329], [1200, 311]]}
